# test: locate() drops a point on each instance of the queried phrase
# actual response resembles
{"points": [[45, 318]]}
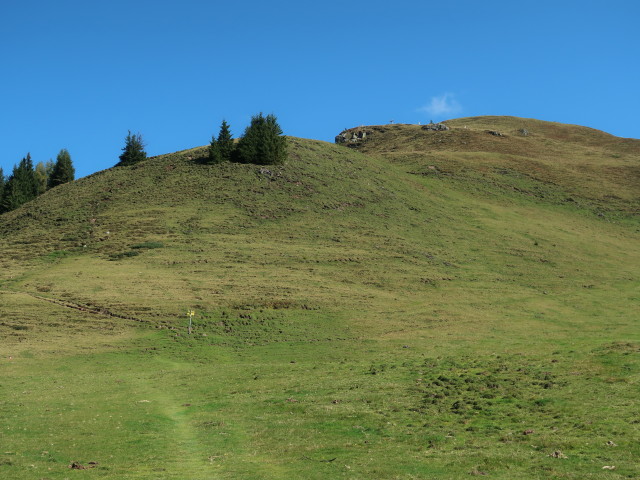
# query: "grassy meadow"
{"points": [[427, 305]]}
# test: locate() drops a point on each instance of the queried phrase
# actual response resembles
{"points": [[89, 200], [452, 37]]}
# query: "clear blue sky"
{"points": [[78, 74]]}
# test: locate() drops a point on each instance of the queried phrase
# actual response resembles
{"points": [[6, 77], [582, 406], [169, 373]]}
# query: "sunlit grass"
{"points": [[354, 318]]}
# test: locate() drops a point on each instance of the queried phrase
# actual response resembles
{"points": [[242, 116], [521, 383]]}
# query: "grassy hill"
{"points": [[424, 305]]}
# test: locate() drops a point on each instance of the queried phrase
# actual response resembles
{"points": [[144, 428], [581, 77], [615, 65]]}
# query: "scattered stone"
{"points": [[609, 467], [352, 136], [611, 444], [436, 127], [495, 133], [558, 454], [78, 466], [524, 132]]}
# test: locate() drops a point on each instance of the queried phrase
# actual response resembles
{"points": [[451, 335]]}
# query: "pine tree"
{"points": [[275, 142], [21, 186], [263, 142], [214, 151], [63, 170], [10, 194], [226, 144], [133, 151], [221, 148]]}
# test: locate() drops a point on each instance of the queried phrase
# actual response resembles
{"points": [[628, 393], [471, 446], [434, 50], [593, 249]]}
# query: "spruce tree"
{"points": [[275, 143], [214, 151], [133, 150], [21, 186], [10, 194], [221, 148], [225, 142], [63, 170], [263, 142]]}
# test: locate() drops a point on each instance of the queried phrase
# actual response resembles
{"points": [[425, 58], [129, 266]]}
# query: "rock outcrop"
{"points": [[436, 127], [352, 136]]}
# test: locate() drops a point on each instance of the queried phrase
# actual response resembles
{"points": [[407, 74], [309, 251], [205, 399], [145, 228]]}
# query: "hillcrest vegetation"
{"points": [[262, 143], [27, 182], [413, 303]]}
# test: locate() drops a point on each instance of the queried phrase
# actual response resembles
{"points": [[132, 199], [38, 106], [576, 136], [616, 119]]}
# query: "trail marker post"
{"points": [[190, 314]]}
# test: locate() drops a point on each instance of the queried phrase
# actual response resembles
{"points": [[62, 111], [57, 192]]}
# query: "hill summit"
{"points": [[419, 302]]}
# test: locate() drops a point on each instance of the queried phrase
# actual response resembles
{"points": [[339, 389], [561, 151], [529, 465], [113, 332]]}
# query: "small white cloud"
{"points": [[445, 104]]}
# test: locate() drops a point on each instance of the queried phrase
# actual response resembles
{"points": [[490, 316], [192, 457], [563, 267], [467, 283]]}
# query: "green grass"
{"points": [[358, 314]]}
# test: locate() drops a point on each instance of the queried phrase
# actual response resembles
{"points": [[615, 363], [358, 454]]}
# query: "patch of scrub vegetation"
{"points": [[57, 255], [147, 245], [487, 388], [122, 255], [136, 250]]}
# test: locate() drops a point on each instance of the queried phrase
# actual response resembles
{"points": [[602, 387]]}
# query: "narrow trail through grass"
{"points": [[184, 451]]}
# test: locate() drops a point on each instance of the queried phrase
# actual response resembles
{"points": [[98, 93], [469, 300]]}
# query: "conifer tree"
{"points": [[63, 170], [214, 151], [263, 142], [221, 148], [133, 150], [21, 186], [225, 142]]}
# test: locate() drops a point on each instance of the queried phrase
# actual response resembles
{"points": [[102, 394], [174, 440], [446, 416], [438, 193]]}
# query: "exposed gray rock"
{"points": [[341, 138], [352, 136], [435, 127]]}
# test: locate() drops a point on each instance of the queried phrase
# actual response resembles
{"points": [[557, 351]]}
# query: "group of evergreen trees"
{"points": [[262, 143], [26, 182]]}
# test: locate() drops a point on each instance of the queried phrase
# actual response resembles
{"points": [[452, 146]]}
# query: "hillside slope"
{"points": [[597, 168], [403, 309]]}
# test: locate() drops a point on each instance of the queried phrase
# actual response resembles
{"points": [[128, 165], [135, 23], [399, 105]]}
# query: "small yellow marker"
{"points": [[190, 314]]}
